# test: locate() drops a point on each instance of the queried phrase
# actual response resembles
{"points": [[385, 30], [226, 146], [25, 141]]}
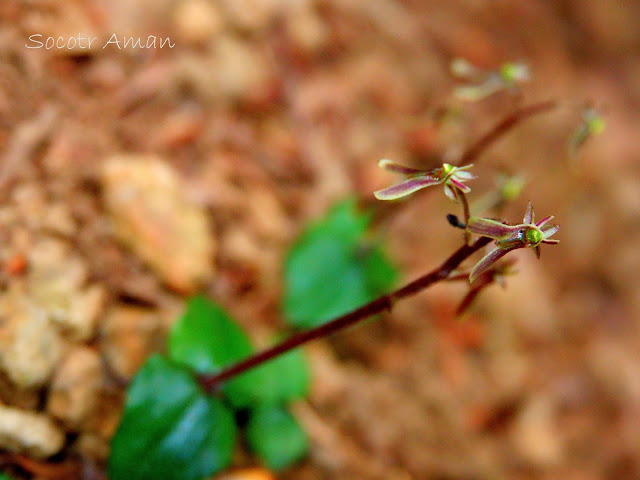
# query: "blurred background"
{"points": [[131, 178]]}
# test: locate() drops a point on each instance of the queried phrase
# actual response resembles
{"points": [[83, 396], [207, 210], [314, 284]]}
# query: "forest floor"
{"points": [[262, 116]]}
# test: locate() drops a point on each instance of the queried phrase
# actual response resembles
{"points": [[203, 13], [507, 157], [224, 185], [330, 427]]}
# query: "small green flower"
{"points": [[451, 177], [510, 237], [510, 187], [482, 83], [513, 73], [592, 125]]}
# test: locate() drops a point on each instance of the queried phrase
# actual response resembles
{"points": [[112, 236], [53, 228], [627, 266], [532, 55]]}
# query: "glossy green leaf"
{"points": [[331, 270], [380, 273], [170, 429], [274, 434], [343, 221], [206, 338], [280, 380]]}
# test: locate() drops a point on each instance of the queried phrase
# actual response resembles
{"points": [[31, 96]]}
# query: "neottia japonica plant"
{"points": [[184, 411]]}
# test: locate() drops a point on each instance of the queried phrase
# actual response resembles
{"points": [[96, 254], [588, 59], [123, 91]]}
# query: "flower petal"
{"points": [[405, 188], [488, 260], [514, 72], [489, 228], [463, 176], [474, 93], [391, 166], [459, 185], [463, 68], [450, 192], [544, 220], [550, 230], [528, 216]]}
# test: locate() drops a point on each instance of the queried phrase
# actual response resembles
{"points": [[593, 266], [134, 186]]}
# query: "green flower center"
{"points": [[533, 236], [512, 72], [596, 125], [447, 170], [508, 72]]}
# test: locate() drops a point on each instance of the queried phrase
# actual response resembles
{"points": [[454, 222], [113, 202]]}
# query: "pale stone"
{"points": [[154, 218], [251, 15], [30, 433], [241, 73], [197, 21], [307, 31], [535, 434], [54, 277], [76, 386], [85, 309], [30, 346], [56, 284]]}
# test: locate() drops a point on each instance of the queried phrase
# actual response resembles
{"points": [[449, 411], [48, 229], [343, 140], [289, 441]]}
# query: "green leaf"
{"points": [[380, 274], [344, 221], [280, 380], [331, 270], [4, 476], [276, 437], [206, 338], [170, 429]]}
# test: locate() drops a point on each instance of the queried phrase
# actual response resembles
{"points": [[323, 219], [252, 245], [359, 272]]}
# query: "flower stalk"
{"points": [[467, 215], [381, 304], [453, 178], [482, 84]]}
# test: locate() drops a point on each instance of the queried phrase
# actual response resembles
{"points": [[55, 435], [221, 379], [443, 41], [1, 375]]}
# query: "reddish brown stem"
{"points": [[467, 214], [506, 124], [385, 302]]}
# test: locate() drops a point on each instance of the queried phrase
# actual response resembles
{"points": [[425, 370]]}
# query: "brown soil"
{"points": [[261, 117]]}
